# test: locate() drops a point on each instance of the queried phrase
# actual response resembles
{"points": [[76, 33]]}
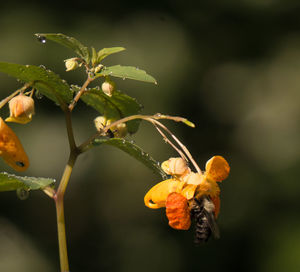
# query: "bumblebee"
{"points": [[203, 214]]}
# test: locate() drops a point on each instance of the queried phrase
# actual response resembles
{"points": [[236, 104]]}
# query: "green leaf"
{"points": [[127, 72], [94, 57], [45, 81], [10, 182], [117, 106], [134, 151], [68, 42], [103, 53]]}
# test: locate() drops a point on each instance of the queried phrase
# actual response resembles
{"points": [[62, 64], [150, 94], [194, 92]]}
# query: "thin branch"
{"points": [[69, 126], [81, 91]]}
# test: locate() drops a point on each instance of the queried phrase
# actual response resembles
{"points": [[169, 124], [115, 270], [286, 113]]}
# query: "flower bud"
{"points": [[108, 87], [98, 68], [71, 64], [100, 122], [21, 109], [120, 130], [175, 167]]}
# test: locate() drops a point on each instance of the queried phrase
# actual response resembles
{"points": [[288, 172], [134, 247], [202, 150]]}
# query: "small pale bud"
{"points": [[175, 167], [100, 122], [21, 109], [71, 64], [108, 87]]}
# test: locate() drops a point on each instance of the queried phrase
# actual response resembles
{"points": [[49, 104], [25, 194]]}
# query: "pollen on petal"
{"points": [[217, 168], [178, 212]]}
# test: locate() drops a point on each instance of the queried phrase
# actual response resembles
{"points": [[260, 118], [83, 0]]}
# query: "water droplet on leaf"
{"points": [[22, 193], [41, 39]]}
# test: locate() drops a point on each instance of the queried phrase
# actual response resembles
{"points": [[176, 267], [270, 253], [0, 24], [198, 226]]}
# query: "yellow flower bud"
{"points": [[108, 87], [21, 109], [71, 64]]}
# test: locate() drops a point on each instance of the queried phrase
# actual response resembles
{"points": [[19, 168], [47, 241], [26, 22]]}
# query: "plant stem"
{"points": [[76, 98], [59, 203]]}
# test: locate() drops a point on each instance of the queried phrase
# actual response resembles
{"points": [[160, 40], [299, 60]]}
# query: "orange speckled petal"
{"points": [[217, 168], [11, 148], [157, 195], [178, 212]]}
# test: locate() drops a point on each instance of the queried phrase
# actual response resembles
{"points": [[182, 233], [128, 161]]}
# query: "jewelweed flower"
{"points": [[21, 109], [178, 193], [11, 149]]}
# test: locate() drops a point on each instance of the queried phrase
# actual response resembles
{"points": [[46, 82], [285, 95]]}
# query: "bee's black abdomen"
{"points": [[202, 228]]}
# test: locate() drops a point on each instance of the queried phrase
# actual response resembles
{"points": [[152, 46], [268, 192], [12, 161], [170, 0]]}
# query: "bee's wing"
{"points": [[208, 209]]}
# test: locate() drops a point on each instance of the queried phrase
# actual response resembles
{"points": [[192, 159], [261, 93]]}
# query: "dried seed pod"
{"points": [[21, 109], [11, 149], [175, 167], [178, 212]]}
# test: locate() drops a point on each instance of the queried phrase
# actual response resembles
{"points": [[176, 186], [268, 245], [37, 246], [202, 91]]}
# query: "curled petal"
{"points": [[188, 191], [157, 195], [11, 149], [178, 212], [217, 168]]}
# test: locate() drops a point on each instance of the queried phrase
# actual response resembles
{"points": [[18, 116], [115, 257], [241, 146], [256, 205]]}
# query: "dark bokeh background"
{"points": [[231, 67]]}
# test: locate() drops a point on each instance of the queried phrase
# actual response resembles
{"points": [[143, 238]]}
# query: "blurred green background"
{"points": [[231, 67]]}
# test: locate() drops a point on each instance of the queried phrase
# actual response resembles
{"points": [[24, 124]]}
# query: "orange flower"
{"points": [[11, 149], [176, 193]]}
